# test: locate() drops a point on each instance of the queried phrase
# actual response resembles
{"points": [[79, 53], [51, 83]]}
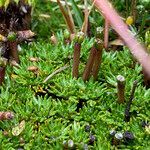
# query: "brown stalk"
{"points": [[86, 16], [76, 59], [98, 59], [121, 89], [14, 51], [2, 75], [76, 55], [106, 33], [86, 24], [67, 16], [89, 65]]}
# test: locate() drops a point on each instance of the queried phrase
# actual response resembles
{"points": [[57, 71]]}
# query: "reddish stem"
{"points": [[14, 50], [2, 75], [89, 65], [76, 59], [106, 33], [97, 63]]}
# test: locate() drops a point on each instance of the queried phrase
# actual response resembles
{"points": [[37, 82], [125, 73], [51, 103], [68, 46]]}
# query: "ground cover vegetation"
{"points": [[61, 88]]}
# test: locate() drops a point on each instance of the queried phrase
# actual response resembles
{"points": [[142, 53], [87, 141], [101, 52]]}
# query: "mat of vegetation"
{"points": [[68, 113]]}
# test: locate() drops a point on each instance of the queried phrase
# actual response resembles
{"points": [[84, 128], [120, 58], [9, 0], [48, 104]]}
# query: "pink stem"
{"points": [[106, 33], [138, 51]]}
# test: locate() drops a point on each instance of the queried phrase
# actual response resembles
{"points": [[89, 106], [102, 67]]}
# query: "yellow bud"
{"points": [[129, 20], [2, 38]]}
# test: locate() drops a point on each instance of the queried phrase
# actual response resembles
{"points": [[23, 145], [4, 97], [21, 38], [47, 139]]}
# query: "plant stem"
{"points": [[127, 110], [14, 50], [121, 89], [76, 55], [98, 59], [106, 33], [76, 59], [67, 16], [86, 19], [89, 65], [2, 75]]}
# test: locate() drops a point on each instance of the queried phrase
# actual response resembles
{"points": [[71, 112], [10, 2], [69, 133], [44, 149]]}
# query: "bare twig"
{"points": [[89, 65], [86, 16], [87, 12], [56, 72], [121, 88], [76, 54], [98, 58], [67, 16], [76, 59]]}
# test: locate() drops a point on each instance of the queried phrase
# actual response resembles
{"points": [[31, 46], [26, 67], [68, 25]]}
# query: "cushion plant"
{"points": [[53, 110]]}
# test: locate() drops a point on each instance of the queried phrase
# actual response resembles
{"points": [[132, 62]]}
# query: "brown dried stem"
{"points": [[76, 59], [67, 16], [89, 65], [98, 59], [121, 89], [76, 55], [14, 51]]}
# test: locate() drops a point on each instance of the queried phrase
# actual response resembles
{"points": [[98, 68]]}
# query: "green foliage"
{"points": [[58, 111], [51, 110], [77, 13]]}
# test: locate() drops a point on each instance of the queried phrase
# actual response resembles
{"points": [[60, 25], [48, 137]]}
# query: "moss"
{"points": [[57, 112]]}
